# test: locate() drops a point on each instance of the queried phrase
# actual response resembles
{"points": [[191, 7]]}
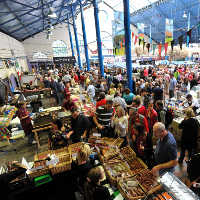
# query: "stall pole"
{"points": [[71, 41], [76, 39], [128, 43], [98, 35], [85, 38]]}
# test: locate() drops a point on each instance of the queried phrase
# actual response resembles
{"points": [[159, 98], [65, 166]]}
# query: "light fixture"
{"points": [[48, 37], [51, 13], [184, 15]]}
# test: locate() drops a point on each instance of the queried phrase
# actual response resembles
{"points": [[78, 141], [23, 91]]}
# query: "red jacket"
{"points": [[152, 118], [101, 103]]}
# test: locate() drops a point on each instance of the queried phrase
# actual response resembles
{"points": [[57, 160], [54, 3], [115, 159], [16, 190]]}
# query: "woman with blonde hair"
{"points": [[93, 190], [120, 124], [190, 128], [82, 164]]}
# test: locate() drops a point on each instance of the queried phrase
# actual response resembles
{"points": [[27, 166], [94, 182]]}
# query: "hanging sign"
{"points": [[168, 30]]}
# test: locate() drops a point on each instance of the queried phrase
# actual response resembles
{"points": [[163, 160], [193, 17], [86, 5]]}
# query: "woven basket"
{"points": [[60, 167], [128, 153], [108, 167], [125, 193], [136, 165]]}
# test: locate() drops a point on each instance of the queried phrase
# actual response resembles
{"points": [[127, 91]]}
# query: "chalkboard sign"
{"points": [[64, 60]]}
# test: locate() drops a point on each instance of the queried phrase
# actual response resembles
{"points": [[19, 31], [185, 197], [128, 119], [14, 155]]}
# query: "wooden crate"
{"points": [[42, 155], [74, 148], [39, 173], [121, 185]]}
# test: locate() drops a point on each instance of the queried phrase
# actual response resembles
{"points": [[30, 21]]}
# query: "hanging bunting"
{"points": [[189, 36], [140, 41], [172, 45], [166, 47], [136, 38], [144, 45], [132, 35], [140, 27], [148, 47], [121, 44], [180, 40], [154, 48], [159, 49]]}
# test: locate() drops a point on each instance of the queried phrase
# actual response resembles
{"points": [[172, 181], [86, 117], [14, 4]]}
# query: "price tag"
{"points": [[97, 134]]}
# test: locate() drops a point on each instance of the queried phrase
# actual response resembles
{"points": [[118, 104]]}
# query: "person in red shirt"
{"points": [[146, 73], [152, 115], [102, 100], [76, 79], [66, 91]]}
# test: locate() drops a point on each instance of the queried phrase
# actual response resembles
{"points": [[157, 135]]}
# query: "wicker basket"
{"points": [[123, 190], [42, 155], [136, 165], [145, 176], [114, 176], [128, 153], [118, 142], [60, 167], [74, 148]]}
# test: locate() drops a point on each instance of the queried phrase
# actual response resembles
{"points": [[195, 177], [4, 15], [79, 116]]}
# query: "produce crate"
{"points": [[130, 188], [148, 181], [115, 170], [128, 153]]}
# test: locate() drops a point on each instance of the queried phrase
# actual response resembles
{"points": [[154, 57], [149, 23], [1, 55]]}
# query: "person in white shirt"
{"points": [[191, 102], [91, 91], [120, 124]]}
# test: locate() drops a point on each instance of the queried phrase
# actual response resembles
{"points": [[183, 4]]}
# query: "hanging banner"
{"points": [[118, 33], [148, 47], [140, 27], [154, 48], [172, 45], [159, 49], [189, 36], [166, 47], [136, 38], [168, 30], [180, 40]]}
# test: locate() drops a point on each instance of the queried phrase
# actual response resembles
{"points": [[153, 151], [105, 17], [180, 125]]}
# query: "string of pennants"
{"points": [[137, 39]]}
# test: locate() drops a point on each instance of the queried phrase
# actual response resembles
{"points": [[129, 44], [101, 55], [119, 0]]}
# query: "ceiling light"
{"points": [[184, 15], [51, 13]]}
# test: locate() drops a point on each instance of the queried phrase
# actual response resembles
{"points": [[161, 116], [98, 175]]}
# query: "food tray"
{"points": [[130, 188], [109, 153], [38, 173], [148, 181], [115, 170], [136, 165], [128, 153]]}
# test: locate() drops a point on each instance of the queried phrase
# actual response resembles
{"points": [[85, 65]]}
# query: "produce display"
{"points": [[147, 180], [130, 188]]}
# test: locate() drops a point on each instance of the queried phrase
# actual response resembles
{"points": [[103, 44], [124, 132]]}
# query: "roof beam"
{"points": [[43, 16], [31, 10], [18, 19], [60, 10], [28, 6]]}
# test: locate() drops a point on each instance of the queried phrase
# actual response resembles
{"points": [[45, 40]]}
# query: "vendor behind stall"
{"points": [[191, 102], [80, 126]]}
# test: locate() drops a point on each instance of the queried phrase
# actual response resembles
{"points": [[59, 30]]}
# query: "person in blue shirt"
{"points": [[172, 86], [128, 96], [166, 150]]}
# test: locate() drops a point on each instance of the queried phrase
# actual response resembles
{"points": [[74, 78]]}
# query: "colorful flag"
{"points": [[166, 47], [168, 30], [136, 38], [159, 49], [132, 35], [148, 46], [189, 35], [140, 27], [154, 48], [172, 45], [180, 40]]}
